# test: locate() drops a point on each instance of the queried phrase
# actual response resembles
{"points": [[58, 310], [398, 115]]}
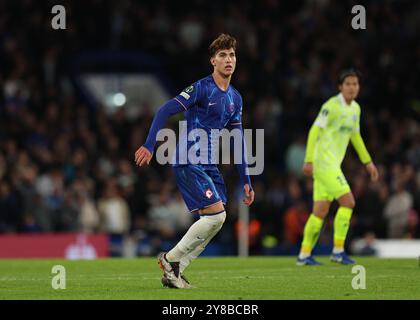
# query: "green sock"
{"points": [[341, 227], [310, 235]]}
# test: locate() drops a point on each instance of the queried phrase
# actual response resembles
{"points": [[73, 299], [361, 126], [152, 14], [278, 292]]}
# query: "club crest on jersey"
{"points": [[231, 107], [209, 193]]}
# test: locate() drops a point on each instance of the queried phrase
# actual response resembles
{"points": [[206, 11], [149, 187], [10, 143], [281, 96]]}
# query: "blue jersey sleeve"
{"points": [[189, 96], [235, 122], [243, 166], [182, 102], [168, 109]]}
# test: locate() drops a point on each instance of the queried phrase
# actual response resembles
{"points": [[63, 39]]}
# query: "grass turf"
{"points": [[214, 278]]}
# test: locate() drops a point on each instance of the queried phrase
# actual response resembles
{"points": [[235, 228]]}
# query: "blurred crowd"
{"points": [[65, 166]]}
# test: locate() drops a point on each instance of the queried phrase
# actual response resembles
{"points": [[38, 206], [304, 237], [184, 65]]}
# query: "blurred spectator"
{"points": [[364, 246], [191, 32], [295, 156], [370, 203], [169, 217], [10, 210], [397, 211], [295, 218], [113, 210]]}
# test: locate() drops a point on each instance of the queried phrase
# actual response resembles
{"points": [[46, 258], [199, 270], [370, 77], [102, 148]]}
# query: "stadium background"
{"points": [[66, 152]]}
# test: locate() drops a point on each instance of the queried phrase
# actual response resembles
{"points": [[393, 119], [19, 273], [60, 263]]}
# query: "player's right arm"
{"points": [[320, 123], [145, 153], [310, 147], [180, 103]]}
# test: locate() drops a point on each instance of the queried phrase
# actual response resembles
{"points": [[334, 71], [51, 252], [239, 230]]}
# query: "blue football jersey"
{"points": [[206, 107]]}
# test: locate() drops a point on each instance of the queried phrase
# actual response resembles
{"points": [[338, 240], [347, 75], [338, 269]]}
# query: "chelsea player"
{"points": [[337, 124], [209, 103]]}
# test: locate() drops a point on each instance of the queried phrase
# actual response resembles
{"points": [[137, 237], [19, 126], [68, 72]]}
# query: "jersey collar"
{"points": [[343, 101], [228, 88]]}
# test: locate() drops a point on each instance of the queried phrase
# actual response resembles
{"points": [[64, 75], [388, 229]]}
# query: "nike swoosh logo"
{"points": [[210, 104]]}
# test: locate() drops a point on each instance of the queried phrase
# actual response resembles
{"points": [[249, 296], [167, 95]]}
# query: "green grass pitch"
{"points": [[234, 278]]}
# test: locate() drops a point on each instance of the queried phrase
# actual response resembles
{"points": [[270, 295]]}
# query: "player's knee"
{"points": [[220, 218], [217, 219], [321, 214], [321, 210], [348, 202]]}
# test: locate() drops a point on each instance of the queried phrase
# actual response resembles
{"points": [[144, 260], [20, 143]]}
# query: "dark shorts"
{"points": [[200, 187]]}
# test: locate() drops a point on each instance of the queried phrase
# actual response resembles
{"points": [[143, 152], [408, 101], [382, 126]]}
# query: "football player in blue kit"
{"points": [[209, 103]]}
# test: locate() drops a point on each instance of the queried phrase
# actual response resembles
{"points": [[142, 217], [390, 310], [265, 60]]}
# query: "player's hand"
{"points": [[373, 171], [249, 195], [142, 156], [308, 169]]}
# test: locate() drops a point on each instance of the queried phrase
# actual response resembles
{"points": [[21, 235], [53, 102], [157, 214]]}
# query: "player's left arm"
{"points": [[364, 156], [236, 123]]}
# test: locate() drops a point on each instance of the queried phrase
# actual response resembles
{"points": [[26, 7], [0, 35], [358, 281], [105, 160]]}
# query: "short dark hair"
{"points": [[222, 42], [349, 73]]}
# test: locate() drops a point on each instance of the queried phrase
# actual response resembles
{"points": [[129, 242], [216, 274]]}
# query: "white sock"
{"points": [[186, 259], [196, 235], [338, 250], [304, 255]]}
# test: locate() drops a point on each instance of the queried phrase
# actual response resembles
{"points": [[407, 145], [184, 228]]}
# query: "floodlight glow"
{"points": [[119, 99]]}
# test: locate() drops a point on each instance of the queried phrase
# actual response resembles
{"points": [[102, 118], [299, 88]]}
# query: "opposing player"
{"points": [[337, 123], [210, 103]]}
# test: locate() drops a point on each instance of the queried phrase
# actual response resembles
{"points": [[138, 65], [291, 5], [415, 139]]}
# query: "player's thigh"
{"points": [[196, 187], [320, 192], [219, 184]]}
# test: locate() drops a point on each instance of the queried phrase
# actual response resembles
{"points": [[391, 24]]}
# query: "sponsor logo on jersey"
{"points": [[346, 129], [231, 107]]}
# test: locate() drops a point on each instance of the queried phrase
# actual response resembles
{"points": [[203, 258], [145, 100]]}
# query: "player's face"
{"points": [[350, 88], [224, 62]]}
